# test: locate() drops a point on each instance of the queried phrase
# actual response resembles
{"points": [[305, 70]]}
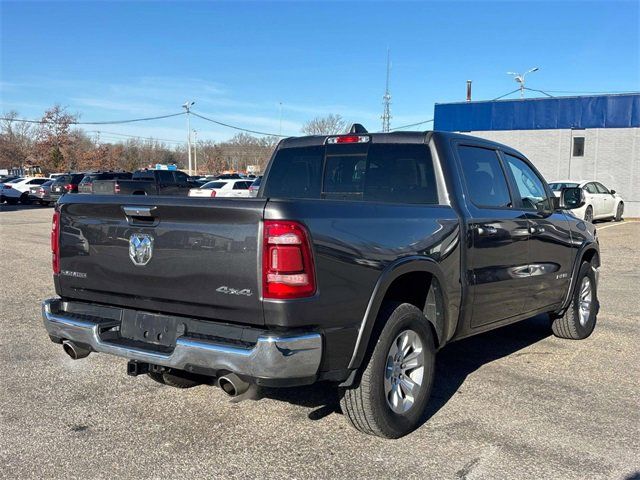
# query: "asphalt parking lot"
{"points": [[513, 403]]}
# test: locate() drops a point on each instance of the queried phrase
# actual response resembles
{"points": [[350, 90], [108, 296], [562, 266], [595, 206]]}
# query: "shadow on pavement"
{"points": [[453, 364], [6, 207]]}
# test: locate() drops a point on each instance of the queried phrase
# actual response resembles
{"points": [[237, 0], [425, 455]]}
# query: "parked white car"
{"points": [[18, 189], [223, 188], [600, 202]]}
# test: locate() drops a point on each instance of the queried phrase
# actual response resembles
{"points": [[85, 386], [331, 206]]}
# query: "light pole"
{"points": [[520, 77], [187, 106], [195, 150]]}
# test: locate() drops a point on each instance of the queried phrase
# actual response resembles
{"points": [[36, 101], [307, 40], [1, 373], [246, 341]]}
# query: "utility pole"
{"points": [[386, 101], [195, 150], [520, 78], [187, 106]]}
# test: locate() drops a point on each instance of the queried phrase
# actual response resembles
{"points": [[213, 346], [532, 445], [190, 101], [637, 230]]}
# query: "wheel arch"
{"points": [[414, 280], [587, 253]]}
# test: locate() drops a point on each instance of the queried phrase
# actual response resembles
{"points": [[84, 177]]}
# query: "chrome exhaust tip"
{"points": [[75, 351], [232, 385]]}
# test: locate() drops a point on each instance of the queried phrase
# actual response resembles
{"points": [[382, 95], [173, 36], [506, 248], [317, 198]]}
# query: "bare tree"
{"points": [[16, 141], [328, 125], [55, 141]]}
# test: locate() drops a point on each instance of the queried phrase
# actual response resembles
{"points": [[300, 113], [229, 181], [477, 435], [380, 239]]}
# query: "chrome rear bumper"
{"points": [[272, 357]]}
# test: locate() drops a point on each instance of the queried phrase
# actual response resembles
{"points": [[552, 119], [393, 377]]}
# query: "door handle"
{"points": [[486, 230], [135, 211]]}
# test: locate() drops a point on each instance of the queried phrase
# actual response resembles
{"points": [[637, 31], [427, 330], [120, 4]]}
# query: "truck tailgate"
{"points": [[194, 257]]}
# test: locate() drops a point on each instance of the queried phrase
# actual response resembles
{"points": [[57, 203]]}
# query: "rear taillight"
{"points": [[68, 187], [287, 262], [8, 186], [116, 188], [213, 193], [55, 242], [41, 190]]}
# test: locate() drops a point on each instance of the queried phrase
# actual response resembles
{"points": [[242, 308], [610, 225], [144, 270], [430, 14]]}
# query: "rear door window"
{"points": [[181, 177], [144, 175], [214, 185], [164, 176], [591, 188], [485, 179]]}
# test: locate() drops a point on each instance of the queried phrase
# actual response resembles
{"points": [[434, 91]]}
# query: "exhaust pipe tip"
{"points": [[233, 385], [75, 351]]}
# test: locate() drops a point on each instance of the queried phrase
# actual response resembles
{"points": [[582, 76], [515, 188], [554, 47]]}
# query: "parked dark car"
{"points": [[148, 182], [364, 255], [41, 193], [67, 183], [255, 186], [7, 178], [86, 184]]}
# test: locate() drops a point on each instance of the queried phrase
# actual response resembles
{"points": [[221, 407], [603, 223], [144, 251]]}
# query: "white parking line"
{"points": [[617, 224]]}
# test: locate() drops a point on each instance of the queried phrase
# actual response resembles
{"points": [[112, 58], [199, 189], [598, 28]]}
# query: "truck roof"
{"points": [[392, 137]]}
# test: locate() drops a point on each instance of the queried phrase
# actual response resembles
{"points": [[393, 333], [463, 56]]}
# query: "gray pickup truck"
{"points": [[362, 256]]}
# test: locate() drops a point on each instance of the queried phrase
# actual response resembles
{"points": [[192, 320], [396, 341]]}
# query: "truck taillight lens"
{"points": [[41, 191], [116, 188], [213, 193], [287, 262], [68, 187], [55, 242]]}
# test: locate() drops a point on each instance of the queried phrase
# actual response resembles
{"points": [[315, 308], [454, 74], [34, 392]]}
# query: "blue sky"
{"points": [[239, 60]]}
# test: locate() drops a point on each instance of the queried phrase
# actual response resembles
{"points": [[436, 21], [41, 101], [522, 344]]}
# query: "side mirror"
{"points": [[612, 192], [571, 198]]}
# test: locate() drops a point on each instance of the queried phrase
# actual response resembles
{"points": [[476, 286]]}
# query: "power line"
{"points": [[540, 91], [110, 122], [410, 125], [506, 94], [103, 133], [235, 127], [592, 93]]}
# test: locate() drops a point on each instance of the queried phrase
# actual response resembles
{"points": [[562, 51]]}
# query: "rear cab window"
{"points": [[387, 173]]}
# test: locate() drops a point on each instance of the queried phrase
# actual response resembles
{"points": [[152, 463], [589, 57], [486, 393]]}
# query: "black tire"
{"points": [[24, 199], [365, 405], [619, 212], [588, 214], [569, 325]]}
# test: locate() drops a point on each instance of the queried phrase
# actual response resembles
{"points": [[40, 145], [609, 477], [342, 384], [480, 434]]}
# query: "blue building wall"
{"points": [[604, 111]]}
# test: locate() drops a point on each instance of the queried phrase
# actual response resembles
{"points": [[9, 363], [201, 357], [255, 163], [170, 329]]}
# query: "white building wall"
{"points": [[611, 156]]}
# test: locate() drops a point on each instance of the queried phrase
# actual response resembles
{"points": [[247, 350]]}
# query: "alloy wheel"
{"points": [[404, 371], [585, 301]]}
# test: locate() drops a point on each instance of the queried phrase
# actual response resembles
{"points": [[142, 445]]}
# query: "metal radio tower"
{"points": [[386, 101]]}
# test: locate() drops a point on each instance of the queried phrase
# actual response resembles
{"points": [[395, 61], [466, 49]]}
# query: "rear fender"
{"points": [[390, 274], [589, 251]]}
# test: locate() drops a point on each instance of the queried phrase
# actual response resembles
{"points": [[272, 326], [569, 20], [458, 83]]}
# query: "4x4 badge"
{"points": [[140, 248]]}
